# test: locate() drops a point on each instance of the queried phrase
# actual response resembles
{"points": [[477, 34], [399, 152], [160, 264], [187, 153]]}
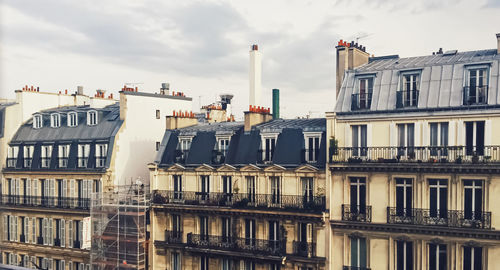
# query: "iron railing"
{"points": [[63, 162], [50, 202], [82, 162], [361, 101], [310, 155], [45, 162], [355, 268], [266, 247], [100, 161], [11, 162], [181, 156], [304, 249], [241, 200], [218, 156], [27, 162], [405, 98], [421, 154], [450, 218], [173, 237], [475, 95], [359, 213]]}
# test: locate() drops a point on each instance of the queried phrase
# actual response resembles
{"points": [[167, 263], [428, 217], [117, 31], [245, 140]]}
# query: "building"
{"points": [[240, 195], [60, 156], [413, 169]]}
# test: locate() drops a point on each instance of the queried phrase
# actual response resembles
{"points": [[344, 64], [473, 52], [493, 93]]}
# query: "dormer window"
{"points": [[92, 118], [362, 98], [268, 143], [223, 144], [312, 141], [407, 96], [46, 155], [183, 149], [28, 155], [63, 155], [476, 85], [101, 151], [37, 121], [83, 155], [55, 120], [72, 119], [12, 156]]}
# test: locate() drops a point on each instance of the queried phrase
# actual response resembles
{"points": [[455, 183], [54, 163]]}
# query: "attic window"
{"points": [[407, 96], [92, 118], [312, 141], [72, 119], [476, 85], [55, 120], [362, 98], [268, 143], [37, 121]]}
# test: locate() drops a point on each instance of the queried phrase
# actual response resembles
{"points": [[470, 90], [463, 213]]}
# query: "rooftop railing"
{"points": [[361, 101], [304, 249], [250, 245], [355, 268], [475, 95], [173, 237], [241, 200], [430, 154], [358, 213], [449, 218], [407, 98], [48, 202]]}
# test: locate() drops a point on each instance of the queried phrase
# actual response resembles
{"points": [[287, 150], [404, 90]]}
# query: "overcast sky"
{"points": [[201, 47]]}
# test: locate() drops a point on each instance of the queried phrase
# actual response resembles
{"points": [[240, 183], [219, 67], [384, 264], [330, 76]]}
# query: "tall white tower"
{"points": [[255, 76]]}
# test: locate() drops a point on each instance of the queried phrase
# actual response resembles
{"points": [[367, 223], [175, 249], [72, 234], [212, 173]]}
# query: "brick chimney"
{"points": [[349, 56], [498, 43], [256, 115], [180, 120]]}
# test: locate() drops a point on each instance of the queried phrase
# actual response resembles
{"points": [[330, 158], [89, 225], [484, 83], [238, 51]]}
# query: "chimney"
{"points": [[79, 90], [180, 120], [256, 115], [349, 56], [225, 100], [276, 103], [498, 43], [165, 88], [255, 75]]}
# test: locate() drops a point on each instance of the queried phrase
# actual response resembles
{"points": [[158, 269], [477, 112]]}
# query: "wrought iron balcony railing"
{"points": [[49, 202], [251, 245], [241, 200], [355, 268], [450, 218], [405, 98], [475, 95], [420, 154], [304, 249], [359, 213], [361, 101], [173, 237]]}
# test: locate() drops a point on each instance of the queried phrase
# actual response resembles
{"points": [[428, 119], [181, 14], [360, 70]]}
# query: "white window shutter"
{"points": [[51, 232], [70, 233], [6, 226], [62, 233], [26, 229], [33, 230]]}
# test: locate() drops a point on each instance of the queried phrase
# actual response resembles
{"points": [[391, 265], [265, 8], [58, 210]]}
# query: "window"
{"points": [[157, 146], [274, 267], [101, 151], [226, 264], [37, 121], [406, 140], [358, 197], [274, 234], [157, 114], [250, 188], [183, 149], [12, 156], [223, 145], [476, 86], [46, 155], [404, 197], [227, 188], [177, 187], [63, 155], [250, 232], [204, 263], [275, 189], [437, 257], [28, 155], [92, 118], [312, 142], [439, 139], [175, 261], [185, 144], [359, 144], [438, 200], [204, 187], [204, 230], [307, 189], [72, 119], [363, 98], [226, 229], [55, 120], [268, 144], [407, 96], [83, 155], [474, 138], [249, 265], [358, 252], [473, 202], [176, 226], [404, 255], [473, 258]]}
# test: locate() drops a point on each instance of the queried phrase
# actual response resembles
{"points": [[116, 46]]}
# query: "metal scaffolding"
{"points": [[119, 236]]}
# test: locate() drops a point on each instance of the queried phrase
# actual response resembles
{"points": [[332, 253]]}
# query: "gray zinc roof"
{"points": [[312, 125]]}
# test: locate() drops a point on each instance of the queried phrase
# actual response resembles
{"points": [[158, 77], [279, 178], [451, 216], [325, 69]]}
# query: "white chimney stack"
{"points": [[498, 43], [255, 76]]}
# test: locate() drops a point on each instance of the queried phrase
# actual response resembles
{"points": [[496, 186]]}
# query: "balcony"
{"points": [[11, 162], [450, 218], [265, 247], [304, 249], [358, 213], [173, 237], [361, 101], [405, 99], [241, 200], [355, 268], [417, 154], [475, 95], [48, 202]]}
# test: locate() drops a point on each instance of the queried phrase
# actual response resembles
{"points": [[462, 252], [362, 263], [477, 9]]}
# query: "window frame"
{"points": [[92, 118], [55, 120], [37, 121], [70, 121], [312, 154], [267, 155]]}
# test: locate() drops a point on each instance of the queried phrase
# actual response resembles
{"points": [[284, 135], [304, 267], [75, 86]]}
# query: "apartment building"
{"points": [[59, 157], [413, 173], [240, 195]]}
